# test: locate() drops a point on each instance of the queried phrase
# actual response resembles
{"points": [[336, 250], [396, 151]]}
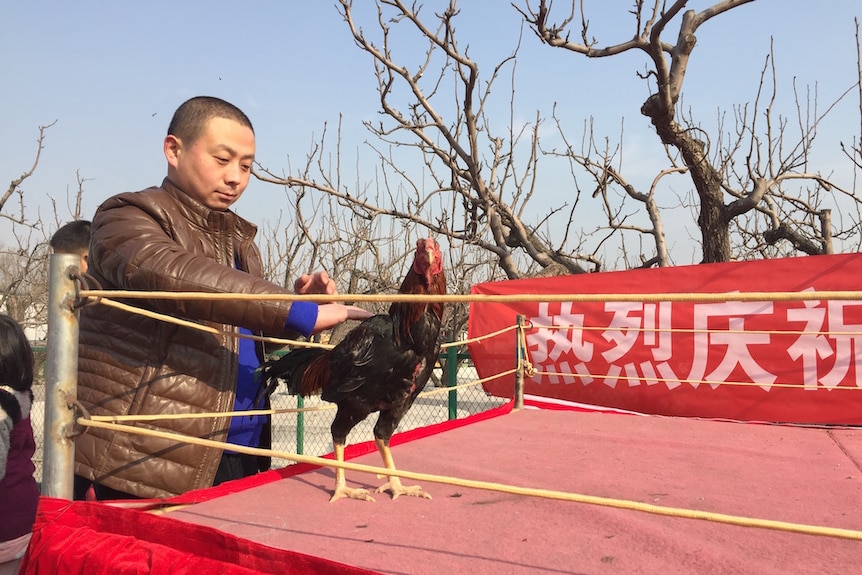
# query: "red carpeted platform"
{"points": [[788, 474]]}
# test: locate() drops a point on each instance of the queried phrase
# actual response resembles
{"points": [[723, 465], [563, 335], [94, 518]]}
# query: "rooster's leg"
{"points": [[394, 486], [341, 488]]}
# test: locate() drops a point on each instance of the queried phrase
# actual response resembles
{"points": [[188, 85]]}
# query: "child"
{"points": [[73, 238], [19, 493]]}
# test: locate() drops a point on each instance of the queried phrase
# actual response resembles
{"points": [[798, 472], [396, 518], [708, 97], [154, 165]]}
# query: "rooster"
{"points": [[381, 365]]}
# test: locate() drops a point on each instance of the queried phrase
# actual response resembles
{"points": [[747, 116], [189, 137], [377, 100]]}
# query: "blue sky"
{"points": [[112, 73]]}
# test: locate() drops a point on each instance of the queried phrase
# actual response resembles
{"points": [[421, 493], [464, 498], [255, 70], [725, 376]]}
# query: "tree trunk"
{"points": [[712, 220]]}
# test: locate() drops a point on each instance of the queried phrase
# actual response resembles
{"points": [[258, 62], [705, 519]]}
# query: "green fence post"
{"points": [[300, 425], [452, 379], [300, 415]]}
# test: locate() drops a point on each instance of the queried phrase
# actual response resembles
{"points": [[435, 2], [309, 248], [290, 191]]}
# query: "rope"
{"points": [[499, 487], [692, 330], [755, 296], [473, 383], [479, 338], [205, 415], [110, 422], [495, 298]]}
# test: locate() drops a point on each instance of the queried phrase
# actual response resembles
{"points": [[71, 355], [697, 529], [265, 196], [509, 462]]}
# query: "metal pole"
{"points": [[520, 354], [61, 378]]}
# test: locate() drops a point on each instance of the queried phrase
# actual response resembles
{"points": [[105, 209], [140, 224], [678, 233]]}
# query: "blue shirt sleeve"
{"points": [[301, 317]]}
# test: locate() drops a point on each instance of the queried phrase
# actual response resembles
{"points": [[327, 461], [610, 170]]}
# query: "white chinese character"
{"points": [[652, 327], [623, 330], [735, 340], [847, 344], [812, 345], [546, 345]]}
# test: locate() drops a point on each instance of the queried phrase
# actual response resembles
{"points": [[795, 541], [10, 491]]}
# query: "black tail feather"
{"points": [[288, 368]]}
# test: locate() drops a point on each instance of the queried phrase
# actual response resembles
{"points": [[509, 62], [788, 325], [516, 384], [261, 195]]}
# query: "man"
{"points": [[182, 236]]}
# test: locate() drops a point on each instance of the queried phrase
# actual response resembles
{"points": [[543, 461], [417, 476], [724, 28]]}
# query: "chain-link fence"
{"points": [[308, 432], [37, 411]]}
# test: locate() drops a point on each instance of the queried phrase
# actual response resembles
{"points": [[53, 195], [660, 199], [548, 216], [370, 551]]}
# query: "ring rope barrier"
{"points": [[208, 329], [491, 298], [499, 487], [111, 422], [284, 341]]}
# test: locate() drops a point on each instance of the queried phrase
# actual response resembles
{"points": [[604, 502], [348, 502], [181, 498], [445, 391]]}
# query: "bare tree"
{"points": [[24, 262], [746, 197], [603, 163], [854, 149], [14, 188], [448, 161], [22, 265], [368, 256], [473, 189], [24, 283]]}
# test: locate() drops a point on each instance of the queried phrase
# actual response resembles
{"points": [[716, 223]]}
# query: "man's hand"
{"points": [[318, 282], [331, 314]]}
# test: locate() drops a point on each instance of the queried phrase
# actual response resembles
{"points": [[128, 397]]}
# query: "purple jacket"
{"points": [[19, 493]]}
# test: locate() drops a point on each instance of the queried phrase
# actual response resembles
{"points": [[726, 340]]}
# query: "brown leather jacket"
{"points": [[162, 240]]}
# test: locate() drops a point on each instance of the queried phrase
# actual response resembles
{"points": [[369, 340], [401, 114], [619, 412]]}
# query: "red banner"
{"points": [[775, 361]]}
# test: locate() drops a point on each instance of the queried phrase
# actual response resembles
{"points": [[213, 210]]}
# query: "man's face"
{"points": [[215, 168]]}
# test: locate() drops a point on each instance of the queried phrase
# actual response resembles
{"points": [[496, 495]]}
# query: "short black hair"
{"points": [[72, 238], [192, 116]]}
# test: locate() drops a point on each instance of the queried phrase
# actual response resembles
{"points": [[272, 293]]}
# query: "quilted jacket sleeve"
{"points": [[150, 241]]}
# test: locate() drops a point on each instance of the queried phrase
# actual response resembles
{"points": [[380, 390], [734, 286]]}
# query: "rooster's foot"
{"points": [[394, 487], [343, 491]]}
